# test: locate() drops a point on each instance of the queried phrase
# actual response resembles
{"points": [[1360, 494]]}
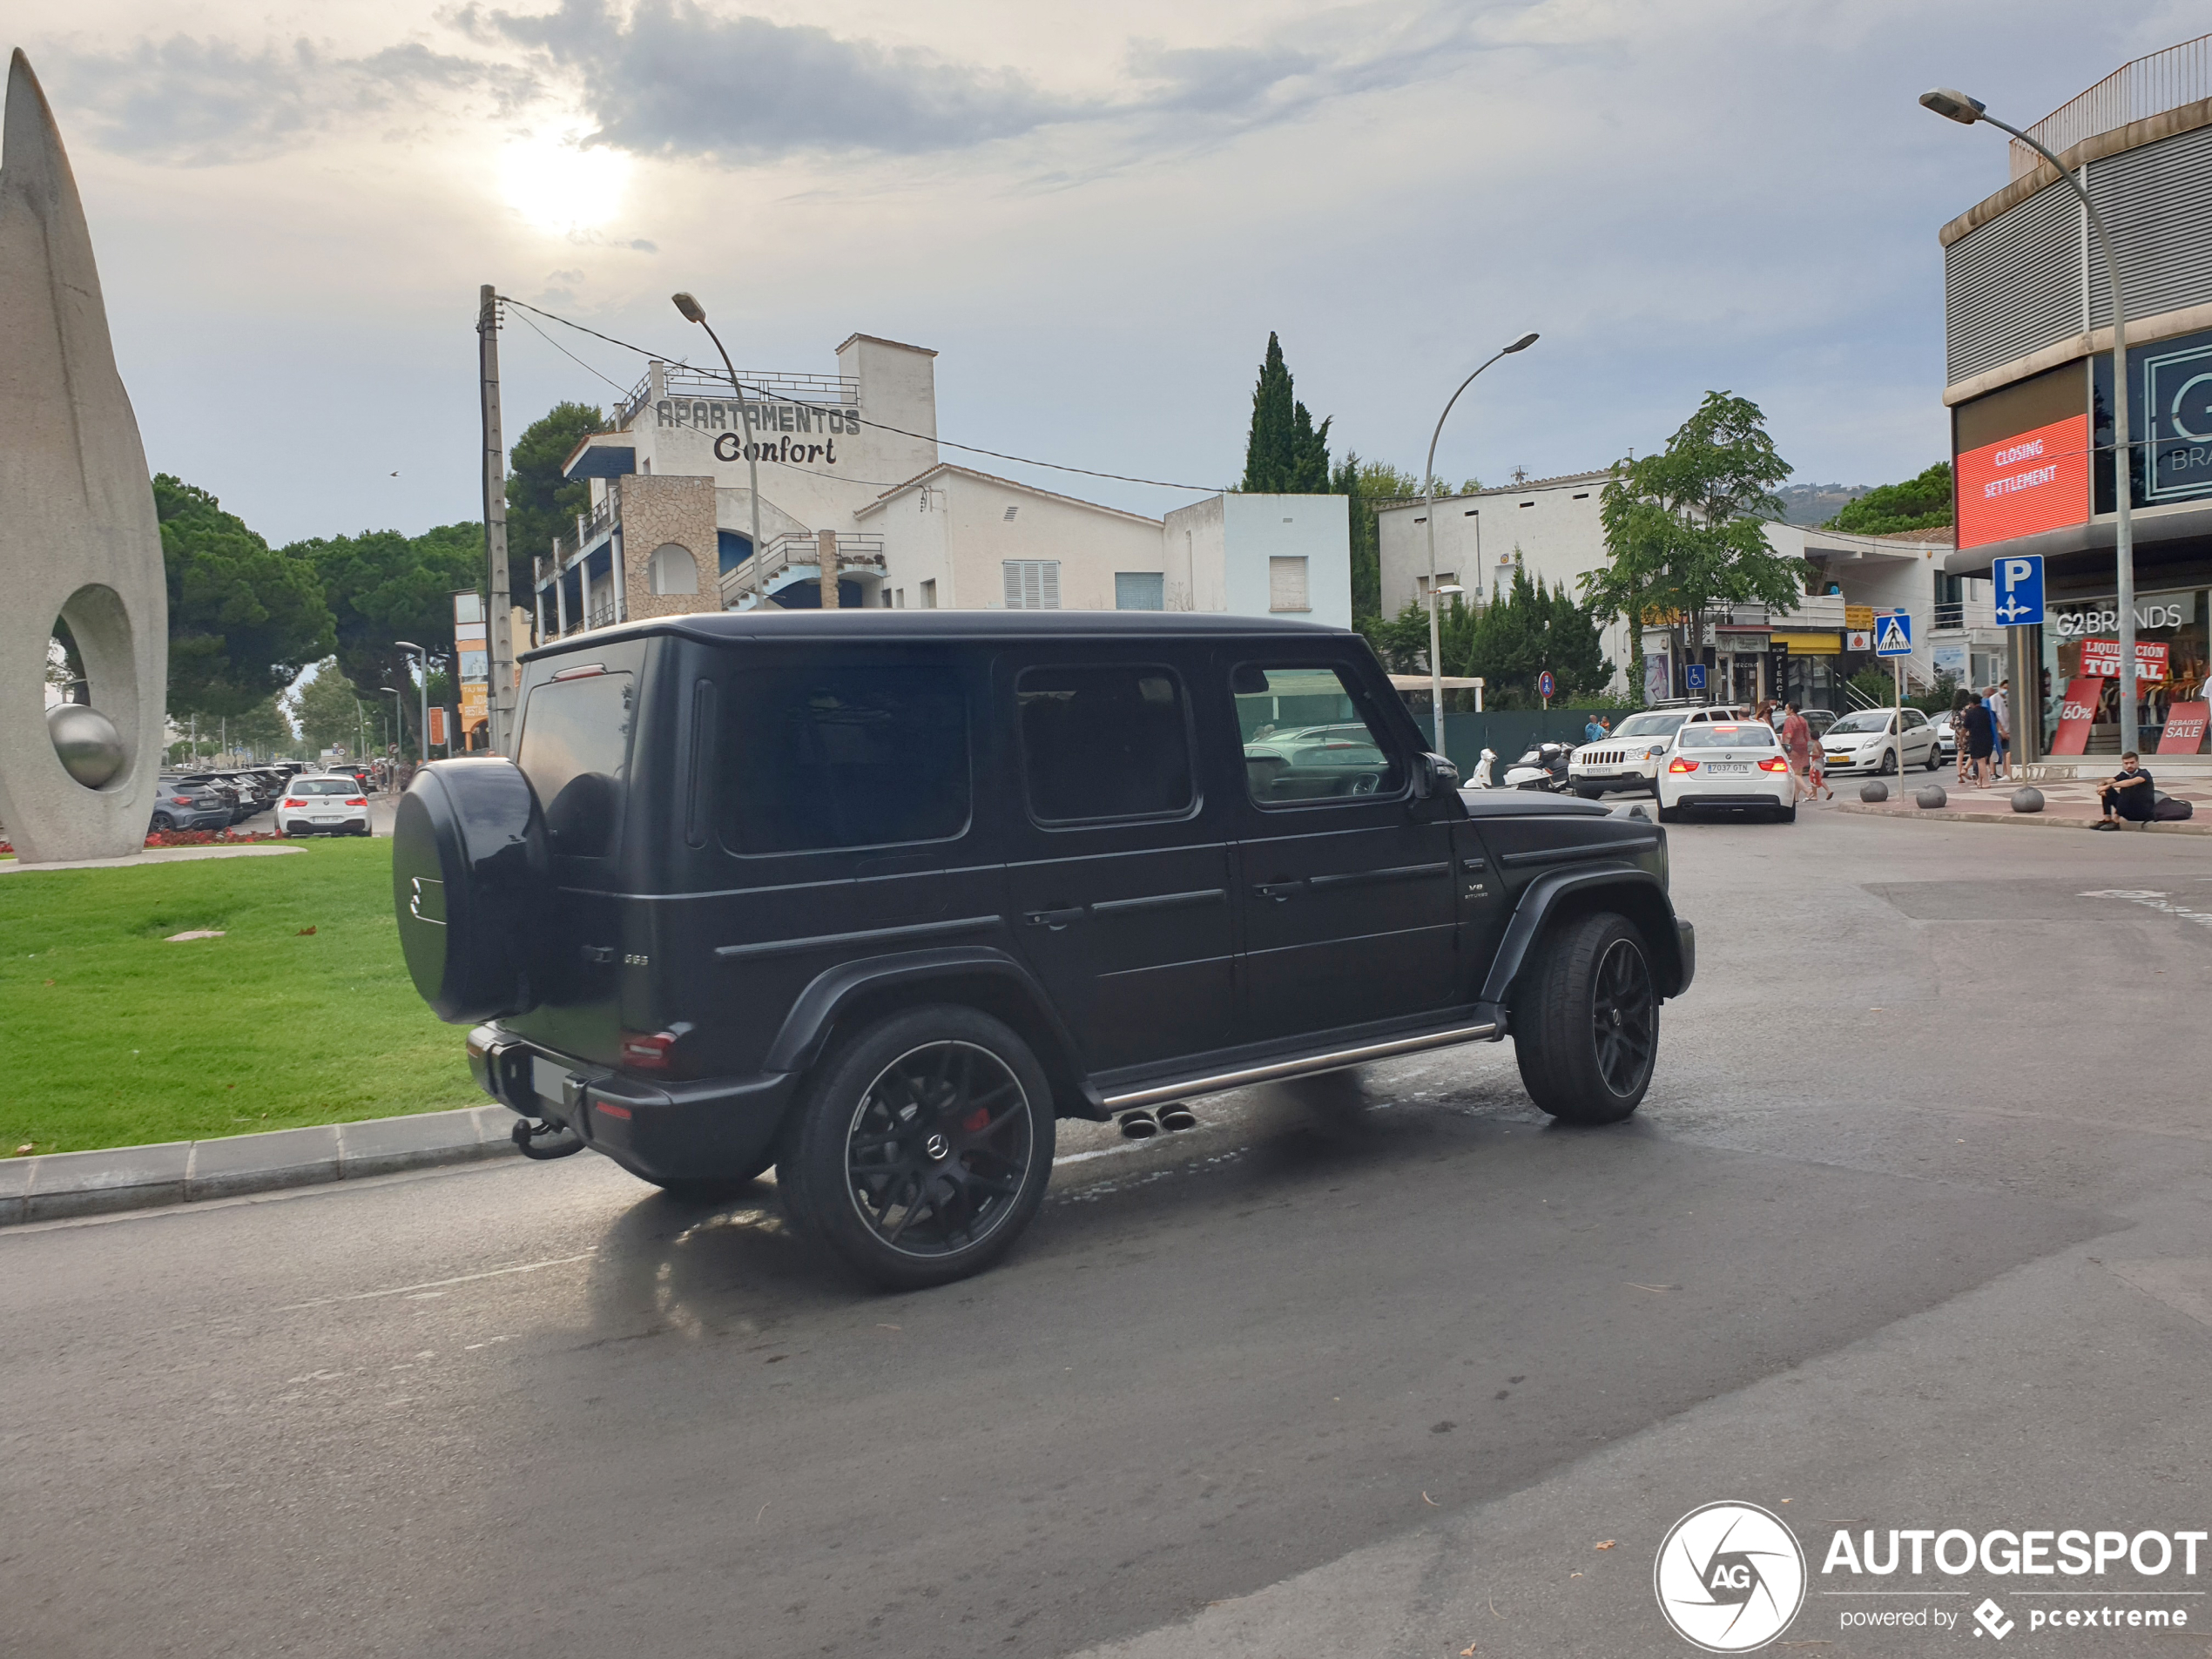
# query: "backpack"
{"points": [[2170, 810]]}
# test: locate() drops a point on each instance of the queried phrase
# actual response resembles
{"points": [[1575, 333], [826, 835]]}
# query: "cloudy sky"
{"points": [[1094, 214]]}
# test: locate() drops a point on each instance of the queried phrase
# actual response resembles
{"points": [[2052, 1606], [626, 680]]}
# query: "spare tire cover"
{"points": [[472, 887]]}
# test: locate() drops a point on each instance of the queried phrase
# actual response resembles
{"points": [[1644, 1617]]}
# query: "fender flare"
{"points": [[814, 1013], [1646, 904]]}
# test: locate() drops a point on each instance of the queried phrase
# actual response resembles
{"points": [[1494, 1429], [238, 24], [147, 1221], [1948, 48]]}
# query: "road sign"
{"points": [[1893, 634], [1693, 675], [1546, 686], [2019, 590]]}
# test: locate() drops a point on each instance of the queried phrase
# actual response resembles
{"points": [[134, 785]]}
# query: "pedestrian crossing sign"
{"points": [[1893, 635]]}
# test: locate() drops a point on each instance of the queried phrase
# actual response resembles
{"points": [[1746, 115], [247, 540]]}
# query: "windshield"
{"points": [[1864, 720], [1650, 725], [1749, 735]]}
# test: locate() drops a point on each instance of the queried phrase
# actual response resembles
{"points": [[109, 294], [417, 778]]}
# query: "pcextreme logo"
{"points": [[1730, 1577]]}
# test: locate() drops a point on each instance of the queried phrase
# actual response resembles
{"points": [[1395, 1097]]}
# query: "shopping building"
{"points": [[856, 510], [1551, 528], [2028, 339]]}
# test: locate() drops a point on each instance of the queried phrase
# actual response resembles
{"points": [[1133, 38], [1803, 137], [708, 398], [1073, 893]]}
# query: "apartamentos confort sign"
{"points": [[2036, 481]]}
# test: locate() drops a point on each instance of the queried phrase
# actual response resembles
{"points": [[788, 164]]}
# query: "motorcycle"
{"points": [[1482, 778], [1544, 767]]}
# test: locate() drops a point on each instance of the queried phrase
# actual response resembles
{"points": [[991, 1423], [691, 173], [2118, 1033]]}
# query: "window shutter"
{"points": [[1032, 584], [1286, 585], [1049, 584], [1012, 567]]}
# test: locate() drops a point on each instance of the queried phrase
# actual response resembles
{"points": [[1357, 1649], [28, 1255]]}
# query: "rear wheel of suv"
{"points": [[1586, 1021], [921, 1148]]}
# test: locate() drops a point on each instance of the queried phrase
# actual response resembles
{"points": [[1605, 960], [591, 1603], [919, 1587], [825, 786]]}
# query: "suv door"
{"points": [[1346, 882], [1117, 863]]}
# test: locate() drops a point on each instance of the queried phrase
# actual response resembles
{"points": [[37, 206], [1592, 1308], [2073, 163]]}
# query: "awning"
{"points": [[1812, 644]]}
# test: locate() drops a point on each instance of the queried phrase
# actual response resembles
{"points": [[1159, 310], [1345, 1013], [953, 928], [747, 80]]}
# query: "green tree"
{"points": [[1286, 454], [1371, 484], [385, 587], [329, 714], [263, 730], [1531, 627], [1921, 503], [243, 618], [541, 504], [1685, 529]]}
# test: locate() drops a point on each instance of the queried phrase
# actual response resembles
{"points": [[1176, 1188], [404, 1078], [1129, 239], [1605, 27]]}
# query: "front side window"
{"points": [[838, 755], [1311, 734], [1104, 742]]}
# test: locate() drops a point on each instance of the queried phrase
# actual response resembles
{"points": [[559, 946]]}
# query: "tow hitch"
{"points": [[545, 1140]]}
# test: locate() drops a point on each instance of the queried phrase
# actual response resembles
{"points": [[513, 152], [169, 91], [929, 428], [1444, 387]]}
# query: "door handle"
{"points": [[1278, 891], [1054, 920]]}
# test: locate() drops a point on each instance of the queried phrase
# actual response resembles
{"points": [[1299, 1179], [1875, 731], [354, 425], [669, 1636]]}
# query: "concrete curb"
{"points": [[2040, 820], [64, 1184]]}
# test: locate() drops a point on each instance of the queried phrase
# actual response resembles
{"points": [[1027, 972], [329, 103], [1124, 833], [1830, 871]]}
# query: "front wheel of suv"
{"points": [[921, 1148], [1586, 1021]]}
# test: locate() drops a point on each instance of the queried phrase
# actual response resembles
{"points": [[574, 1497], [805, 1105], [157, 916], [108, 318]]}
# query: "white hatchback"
{"points": [[323, 805], [1733, 767]]}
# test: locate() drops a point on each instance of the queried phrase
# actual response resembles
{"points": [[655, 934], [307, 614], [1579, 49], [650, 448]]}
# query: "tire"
{"points": [[1888, 768], [162, 822], [1935, 759], [1586, 1020], [937, 1120]]}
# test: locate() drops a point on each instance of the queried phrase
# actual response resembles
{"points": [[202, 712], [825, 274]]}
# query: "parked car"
{"points": [[1818, 719], [942, 878], [1630, 758], [1736, 766], [180, 803], [1868, 740], [1946, 735], [323, 805], [228, 792]]}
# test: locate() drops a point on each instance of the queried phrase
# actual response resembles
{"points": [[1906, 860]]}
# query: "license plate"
{"points": [[547, 1078], [1727, 765]]}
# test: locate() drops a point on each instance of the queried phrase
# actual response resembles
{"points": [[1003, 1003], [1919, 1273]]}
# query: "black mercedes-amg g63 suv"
{"points": [[875, 897]]}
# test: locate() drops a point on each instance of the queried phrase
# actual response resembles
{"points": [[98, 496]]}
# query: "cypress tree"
{"points": [[1285, 453]]}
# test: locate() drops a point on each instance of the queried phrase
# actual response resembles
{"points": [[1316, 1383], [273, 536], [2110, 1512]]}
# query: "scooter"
{"points": [[1482, 778], [1544, 767]]}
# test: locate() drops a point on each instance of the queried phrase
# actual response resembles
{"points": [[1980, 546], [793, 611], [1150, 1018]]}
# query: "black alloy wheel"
{"points": [[922, 1148], [1586, 1020]]}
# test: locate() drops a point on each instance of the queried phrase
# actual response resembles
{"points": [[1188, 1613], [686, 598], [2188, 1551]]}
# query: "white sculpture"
{"points": [[78, 537]]}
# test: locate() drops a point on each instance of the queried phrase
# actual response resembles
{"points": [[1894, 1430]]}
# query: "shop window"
{"points": [[1100, 743]]}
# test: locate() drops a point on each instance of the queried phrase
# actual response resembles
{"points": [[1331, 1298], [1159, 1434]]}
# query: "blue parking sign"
{"points": [[1893, 634], [2019, 590], [1693, 675]]}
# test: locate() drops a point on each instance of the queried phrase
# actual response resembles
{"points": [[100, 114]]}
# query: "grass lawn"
{"points": [[114, 1037]]}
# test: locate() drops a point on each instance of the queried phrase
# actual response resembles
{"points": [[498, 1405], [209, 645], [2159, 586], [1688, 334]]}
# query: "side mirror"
{"points": [[1433, 775]]}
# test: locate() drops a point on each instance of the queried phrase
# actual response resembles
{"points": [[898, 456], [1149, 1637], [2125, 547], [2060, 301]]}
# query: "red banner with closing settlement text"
{"points": [[2035, 481], [2079, 708]]}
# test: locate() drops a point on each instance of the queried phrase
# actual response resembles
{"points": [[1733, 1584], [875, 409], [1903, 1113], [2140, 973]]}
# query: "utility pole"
{"points": [[500, 622]]}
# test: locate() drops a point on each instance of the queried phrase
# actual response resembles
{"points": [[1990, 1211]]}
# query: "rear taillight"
{"points": [[295, 803], [1679, 764], [1775, 764], [180, 800], [642, 1052], [358, 800]]}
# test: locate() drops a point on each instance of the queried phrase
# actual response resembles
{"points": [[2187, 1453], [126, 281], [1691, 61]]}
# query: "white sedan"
{"points": [[323, 805], [1737, 767]]}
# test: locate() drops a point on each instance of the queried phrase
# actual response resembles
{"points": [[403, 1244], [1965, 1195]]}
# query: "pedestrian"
{"points": [[1977, 741], [2128, 796], [1796, 742], [2000, 708], [1959, 701], [1596, 731], [1817, 771]]}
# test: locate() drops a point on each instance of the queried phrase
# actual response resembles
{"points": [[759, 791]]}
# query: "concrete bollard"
{"points": [[2028, 798], [1931, 798], [1876, 791]]}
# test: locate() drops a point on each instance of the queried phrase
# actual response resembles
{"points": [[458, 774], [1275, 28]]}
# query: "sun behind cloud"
{"points": [[559, 187]]}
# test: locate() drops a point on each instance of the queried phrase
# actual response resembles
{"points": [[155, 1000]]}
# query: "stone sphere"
{"points": [[1931, 797], [2028, 798], [90, 746], [1876, 791]]}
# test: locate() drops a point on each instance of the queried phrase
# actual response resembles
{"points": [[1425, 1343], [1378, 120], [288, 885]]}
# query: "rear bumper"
{"points": [[703, 1128]]}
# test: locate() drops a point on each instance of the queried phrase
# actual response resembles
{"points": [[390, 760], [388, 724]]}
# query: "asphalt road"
{"points": [[1912, 1232]]}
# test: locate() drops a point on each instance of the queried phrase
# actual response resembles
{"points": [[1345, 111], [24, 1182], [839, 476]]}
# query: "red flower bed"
{"points": [[208, 837]]}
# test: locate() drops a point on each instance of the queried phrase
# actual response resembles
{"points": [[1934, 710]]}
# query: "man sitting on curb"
{"points": [[2128, 796]]}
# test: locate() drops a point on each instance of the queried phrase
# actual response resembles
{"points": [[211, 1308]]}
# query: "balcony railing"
{"points": [[1956, 616], [680, 380], [600, 519], [2165, 80], [853, 553]]}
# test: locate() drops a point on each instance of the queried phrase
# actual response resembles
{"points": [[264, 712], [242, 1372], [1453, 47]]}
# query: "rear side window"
{"points": [[834, 756], [1104, 742], [575, 751]]}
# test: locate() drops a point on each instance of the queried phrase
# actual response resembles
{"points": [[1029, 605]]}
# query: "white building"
{"points": [[1552, 529], [855, 508]]}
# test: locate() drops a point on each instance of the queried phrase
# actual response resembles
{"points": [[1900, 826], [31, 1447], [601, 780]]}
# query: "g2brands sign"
{"points": [[2177, 392], [2034, 480]]}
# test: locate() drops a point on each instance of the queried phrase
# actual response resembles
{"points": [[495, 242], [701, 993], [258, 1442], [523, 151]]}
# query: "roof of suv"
{"points": [[873, 625]]}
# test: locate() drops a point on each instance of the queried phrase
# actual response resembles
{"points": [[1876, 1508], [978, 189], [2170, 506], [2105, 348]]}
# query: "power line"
{"points": [[570, 355], [969, 448]]}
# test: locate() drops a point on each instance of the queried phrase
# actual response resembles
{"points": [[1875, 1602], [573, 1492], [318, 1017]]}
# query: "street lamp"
{"points": [[398, 720], [1954, 105], [1428, 489], [694, 312], [424, 656]]}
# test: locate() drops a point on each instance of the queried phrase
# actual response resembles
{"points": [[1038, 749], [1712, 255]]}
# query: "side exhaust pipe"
{"points": [[1138, 1126], [1177, 1117]]}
